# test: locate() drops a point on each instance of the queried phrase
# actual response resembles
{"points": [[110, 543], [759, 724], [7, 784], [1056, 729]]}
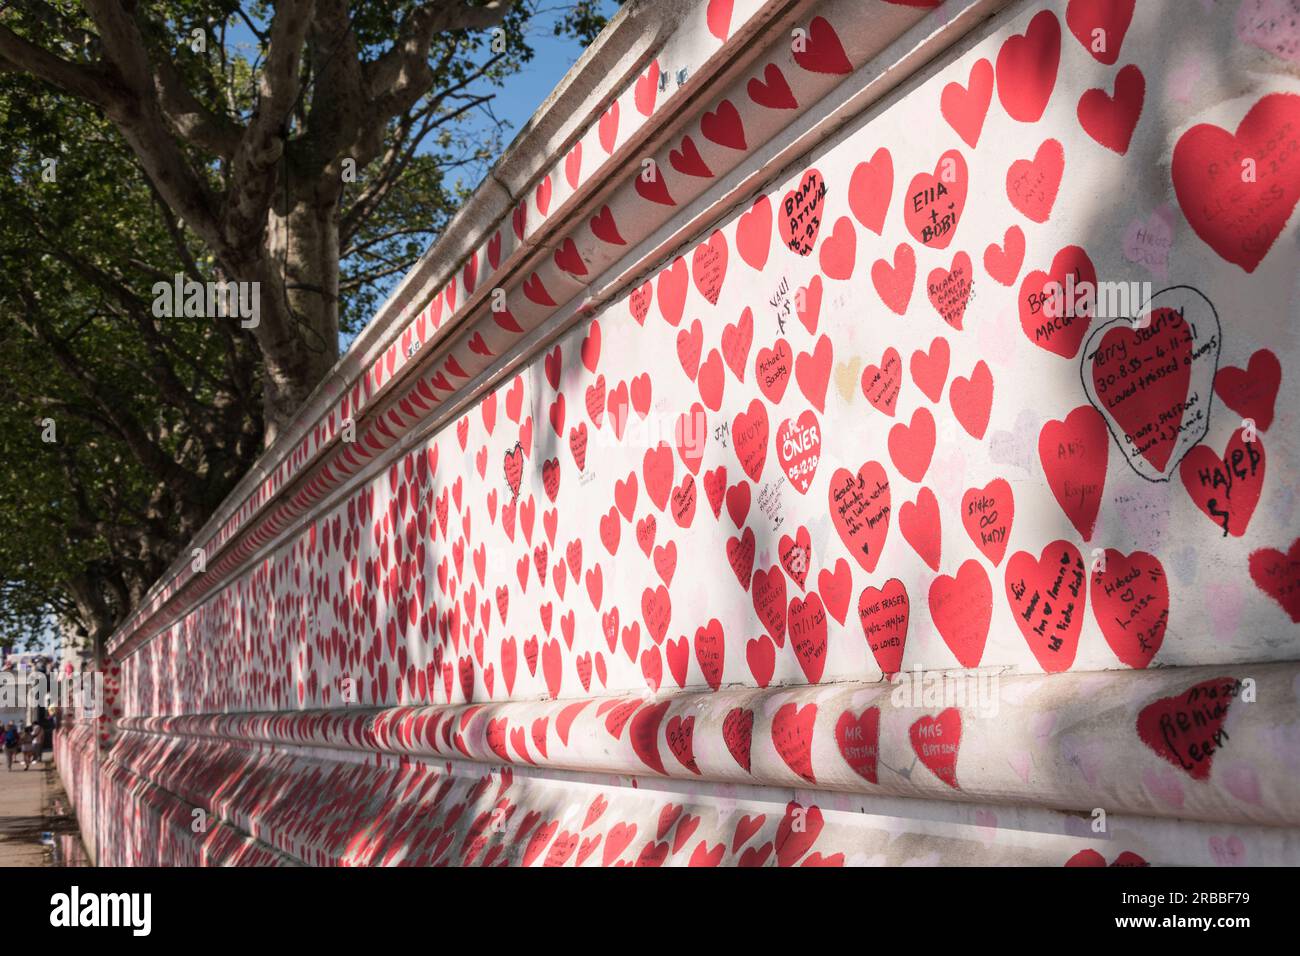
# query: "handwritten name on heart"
{"points": [[933, 204], [1047, 595], [1153, 383], [883, 614], [936, 742], [1130, 600], [1073, 453], [858, 737], [1226, 487], [800, 216], [987, 514], [860, 509], [1057, 306], [1187, 729]]}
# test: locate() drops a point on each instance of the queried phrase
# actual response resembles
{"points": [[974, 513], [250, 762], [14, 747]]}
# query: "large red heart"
{"points": [[657, 473], [1226, 487], [795, 554], [690, 343], [643, 733], [839, 250], [792, 736], [740, 555], [881, 383], [836, 587], [812, 370], [754, 233], [1100, 25], [1240, 217], [807, 629], [737, 733], [768, 594], [1003, 262], [718, 18], [711, 380], [1251, 392], [961, 608], [935, 741], [514, 468], [934, 201], [870, 186], [859, 741], [773, 90], [1047, 595], [710, 651], [987, 514], [1130, 600], [894, 281], [1032, 185], [919, 523], [972, 399], [760, 655], [1278, 576], [1073, 453], [1142, 377], [964, 107], [949, 290], [709, 266], [820, 50], [672, 291], [912, 445], [930, 369], [608, 127], [860, 508], [1056, 308], [1110, 120], [883, 614], [801, 213], [798, 450], [773, 368], [1026, 68], [749, 436], [1187, 729]]}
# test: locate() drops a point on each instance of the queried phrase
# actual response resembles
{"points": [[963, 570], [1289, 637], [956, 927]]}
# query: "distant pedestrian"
{"points": [[38, 740], [25, 742], [11, 744]]}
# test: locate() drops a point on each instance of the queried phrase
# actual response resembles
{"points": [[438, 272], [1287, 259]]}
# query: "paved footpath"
{"points": [[32, 802]]}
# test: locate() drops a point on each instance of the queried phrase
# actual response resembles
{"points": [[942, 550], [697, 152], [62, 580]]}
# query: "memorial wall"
{"points": [[845, 433]]}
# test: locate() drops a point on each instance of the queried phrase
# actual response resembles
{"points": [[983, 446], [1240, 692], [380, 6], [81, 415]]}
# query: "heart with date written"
{"points": [[1152, 378]]}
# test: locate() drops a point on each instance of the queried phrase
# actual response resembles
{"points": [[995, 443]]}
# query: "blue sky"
{"points": [[519, 98], [524, 92]]}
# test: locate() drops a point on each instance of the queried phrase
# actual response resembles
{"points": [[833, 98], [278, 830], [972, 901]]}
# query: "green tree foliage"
{"points": [[214, 139]]}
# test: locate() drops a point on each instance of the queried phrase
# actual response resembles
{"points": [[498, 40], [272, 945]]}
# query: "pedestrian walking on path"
{"points": [[25, 741], [11, 744]]}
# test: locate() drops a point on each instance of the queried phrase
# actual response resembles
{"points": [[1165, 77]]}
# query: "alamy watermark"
{"points": [[213, 300], [977, 690], [80, 693], [1102, 300]]}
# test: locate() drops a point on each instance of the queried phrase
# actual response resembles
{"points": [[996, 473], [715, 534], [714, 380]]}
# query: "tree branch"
{"points": [[87, 82], [253, 166], [399, 77]]}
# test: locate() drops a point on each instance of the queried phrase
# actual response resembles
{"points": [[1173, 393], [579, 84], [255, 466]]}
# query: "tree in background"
{"points": [[314, 147]]}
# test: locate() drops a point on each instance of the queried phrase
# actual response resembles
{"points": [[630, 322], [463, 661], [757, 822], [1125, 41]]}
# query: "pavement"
{"points": [[33, 805]]}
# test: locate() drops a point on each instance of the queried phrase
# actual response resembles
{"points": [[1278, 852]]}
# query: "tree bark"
{"points": [[299, 343]]}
